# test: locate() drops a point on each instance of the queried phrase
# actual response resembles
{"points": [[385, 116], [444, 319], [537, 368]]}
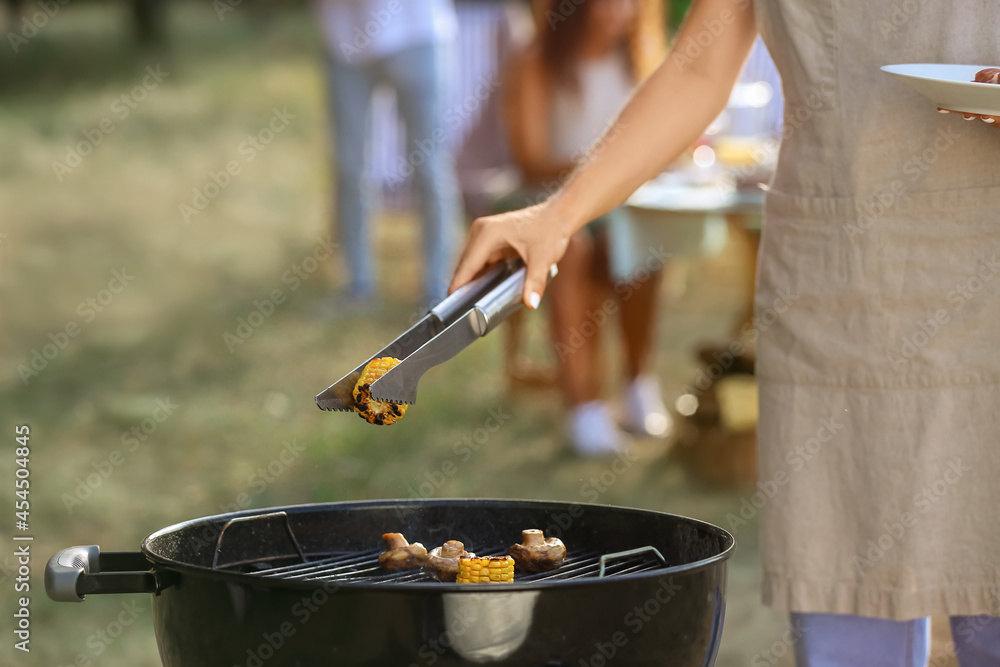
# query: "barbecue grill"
{"points": [[301, 586]]}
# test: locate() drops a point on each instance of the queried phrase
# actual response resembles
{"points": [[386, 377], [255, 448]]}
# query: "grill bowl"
{"points": [[234, 588]]}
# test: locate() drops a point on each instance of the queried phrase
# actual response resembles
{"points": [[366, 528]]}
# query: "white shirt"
{"points": [[580, 117], [358, 31]]}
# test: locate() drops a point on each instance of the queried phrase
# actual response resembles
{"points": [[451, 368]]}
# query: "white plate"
{"points": [[951, 86]]}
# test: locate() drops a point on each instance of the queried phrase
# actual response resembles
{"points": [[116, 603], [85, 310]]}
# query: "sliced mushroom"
{"points": [[442, 561], [400, 554], [537, 554]]}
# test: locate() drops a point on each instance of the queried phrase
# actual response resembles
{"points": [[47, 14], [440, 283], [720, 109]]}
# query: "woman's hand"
{"points": [[538, 235], [990, 120]]}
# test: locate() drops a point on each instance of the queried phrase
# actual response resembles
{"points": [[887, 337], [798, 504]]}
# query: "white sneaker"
{"points": [[645, 414], [592, 430]]}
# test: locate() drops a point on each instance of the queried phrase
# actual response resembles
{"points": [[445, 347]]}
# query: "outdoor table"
{"points": [[675, 204]]}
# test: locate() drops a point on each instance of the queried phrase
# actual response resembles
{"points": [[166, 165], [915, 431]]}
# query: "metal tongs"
{"points": [[471, 312]]}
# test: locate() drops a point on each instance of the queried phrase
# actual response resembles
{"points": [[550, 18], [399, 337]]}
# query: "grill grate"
{"points": [[363, 567]]}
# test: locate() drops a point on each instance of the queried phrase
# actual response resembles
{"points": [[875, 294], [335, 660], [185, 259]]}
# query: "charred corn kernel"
{"points": [[370, 409], [485, 570]]}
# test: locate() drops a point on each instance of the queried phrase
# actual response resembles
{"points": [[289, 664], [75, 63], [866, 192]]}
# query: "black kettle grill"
{"points": [[301, 586]]}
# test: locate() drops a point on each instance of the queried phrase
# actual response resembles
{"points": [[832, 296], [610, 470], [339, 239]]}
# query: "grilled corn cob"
{"points": [[371, 409], [487, 570]]}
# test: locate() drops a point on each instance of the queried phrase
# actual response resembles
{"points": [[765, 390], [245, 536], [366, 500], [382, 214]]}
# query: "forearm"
{"points": [[665, 116]]}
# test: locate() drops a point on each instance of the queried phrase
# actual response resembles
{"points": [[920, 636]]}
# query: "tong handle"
{"points": [[461, 299], [501, 302]]}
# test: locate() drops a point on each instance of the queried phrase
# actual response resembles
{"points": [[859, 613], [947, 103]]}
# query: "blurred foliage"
{"points": [[675, 12]]}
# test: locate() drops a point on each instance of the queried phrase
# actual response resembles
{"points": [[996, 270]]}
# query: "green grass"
{"points": [[162, 336]]}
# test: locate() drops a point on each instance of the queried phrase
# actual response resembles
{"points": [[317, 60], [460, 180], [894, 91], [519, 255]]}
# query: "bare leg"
{"points": [[638, 322], [571, 295], [521, 372], [513, 335], [638, 302], [638, 299]]}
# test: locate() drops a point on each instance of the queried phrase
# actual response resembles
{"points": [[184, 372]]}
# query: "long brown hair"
{"points": [[561, 28]]}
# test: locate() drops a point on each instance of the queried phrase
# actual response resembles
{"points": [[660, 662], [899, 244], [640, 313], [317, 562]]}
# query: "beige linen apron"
{"points": [[878, 314]]}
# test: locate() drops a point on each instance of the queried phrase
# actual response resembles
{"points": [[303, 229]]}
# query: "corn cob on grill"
{"points": [[485, 570], [371, 409]]}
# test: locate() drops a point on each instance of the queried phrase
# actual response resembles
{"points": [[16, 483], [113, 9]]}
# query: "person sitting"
{"points": [[564, 90]]}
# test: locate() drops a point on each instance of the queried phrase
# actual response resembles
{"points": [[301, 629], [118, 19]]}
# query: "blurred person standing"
{"points": [[401, 44], [564, 92]]}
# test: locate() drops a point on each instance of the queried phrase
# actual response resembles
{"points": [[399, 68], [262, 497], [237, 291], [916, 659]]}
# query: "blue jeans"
{"points": [[842, 640], [417, 76]]}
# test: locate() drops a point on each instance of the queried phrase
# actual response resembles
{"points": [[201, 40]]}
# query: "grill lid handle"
{"points": [[74, 572]]}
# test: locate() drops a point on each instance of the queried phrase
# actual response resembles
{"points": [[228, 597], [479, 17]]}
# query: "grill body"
{"points": [[295, 586]]}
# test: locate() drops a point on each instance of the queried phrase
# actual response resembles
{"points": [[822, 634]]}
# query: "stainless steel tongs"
{"points": [[471, 312]]}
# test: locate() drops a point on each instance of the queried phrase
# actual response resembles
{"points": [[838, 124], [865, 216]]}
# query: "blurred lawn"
{"points": [[161, 337]]}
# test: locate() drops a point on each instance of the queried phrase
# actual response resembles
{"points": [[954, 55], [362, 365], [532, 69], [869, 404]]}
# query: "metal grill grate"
{"points": [[363, 567]]}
